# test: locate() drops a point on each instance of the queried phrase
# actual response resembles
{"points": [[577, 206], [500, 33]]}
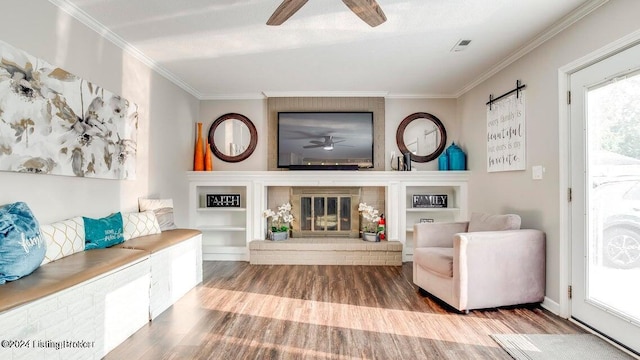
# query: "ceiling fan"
{"points": [[367, 10], [328, 143]]}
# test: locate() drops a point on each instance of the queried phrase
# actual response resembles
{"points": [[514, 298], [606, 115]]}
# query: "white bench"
{"points": [[88, 303]]}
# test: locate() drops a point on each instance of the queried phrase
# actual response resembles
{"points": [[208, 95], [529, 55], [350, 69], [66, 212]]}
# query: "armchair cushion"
{"points": [[437, 260], [437, 234], [486, 222]]}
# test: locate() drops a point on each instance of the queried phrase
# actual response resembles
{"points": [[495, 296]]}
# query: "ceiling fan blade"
{"points": [[284, 11], [313, 146], [367, 10]]}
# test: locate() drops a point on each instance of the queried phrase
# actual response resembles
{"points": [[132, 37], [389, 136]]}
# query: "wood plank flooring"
{"points": [[244, 311]]}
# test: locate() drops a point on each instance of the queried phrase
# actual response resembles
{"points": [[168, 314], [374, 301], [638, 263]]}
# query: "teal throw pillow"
{"points": [[104, 232], [22, 247]]}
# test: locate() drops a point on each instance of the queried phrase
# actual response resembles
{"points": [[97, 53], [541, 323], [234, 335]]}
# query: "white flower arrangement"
{"points": [[279, 220], [371, 216]]}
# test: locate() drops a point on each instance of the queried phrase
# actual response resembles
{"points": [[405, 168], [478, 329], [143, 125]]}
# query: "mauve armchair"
{"points": [[484, 263]]}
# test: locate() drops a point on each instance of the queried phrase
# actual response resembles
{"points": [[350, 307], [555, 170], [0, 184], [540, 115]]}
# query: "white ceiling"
{"points": [[223, 49]]}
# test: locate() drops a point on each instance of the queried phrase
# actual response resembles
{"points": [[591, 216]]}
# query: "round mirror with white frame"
{"points": [[423, 135], [233, 137]]}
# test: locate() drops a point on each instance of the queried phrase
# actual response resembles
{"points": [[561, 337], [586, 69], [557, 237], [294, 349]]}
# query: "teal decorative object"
{"points": [[457, 157], [453, 147], [443, 162], [22, 247], [104, 232]]}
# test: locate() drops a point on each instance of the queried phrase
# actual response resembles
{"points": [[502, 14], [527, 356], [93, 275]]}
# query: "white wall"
{"points": [[537, 201], [166, 115], [256, 111], [398, 109], [395, 111]]}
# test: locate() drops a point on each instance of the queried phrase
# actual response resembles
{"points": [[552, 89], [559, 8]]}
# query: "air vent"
{"points": [[460, 45]]}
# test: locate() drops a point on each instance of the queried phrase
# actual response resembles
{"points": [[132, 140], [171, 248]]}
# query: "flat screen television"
{"points": [[329, 140]]}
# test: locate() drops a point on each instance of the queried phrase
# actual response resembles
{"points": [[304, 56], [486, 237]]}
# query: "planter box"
{"points": [[370, 237], [279, 235]]}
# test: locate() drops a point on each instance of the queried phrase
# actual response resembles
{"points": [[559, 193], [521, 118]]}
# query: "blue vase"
{"points": [[443, 162], [458, 161], [457, 157]]}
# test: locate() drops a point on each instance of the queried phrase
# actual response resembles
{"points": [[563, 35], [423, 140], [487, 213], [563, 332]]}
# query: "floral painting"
{"points": [[52, 122]]}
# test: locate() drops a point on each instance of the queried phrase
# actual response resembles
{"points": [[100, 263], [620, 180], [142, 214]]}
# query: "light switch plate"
{"points": [[537, 172]]}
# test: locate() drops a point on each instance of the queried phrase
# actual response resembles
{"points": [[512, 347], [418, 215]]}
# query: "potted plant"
{"points": [[370, 223], [280, 221]]}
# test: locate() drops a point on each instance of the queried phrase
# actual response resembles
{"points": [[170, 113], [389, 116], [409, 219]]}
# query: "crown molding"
{"points": [[547, 34], [105, 32], [240, 96], [269, 94], [421, 96]]}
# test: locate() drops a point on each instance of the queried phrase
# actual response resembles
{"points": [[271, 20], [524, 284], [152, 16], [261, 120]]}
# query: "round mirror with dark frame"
{"points": [[233, 137], [423, 135]]}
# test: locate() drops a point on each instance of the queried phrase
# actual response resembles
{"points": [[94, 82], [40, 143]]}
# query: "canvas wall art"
{"points": [[506, 134], [53, 122]]}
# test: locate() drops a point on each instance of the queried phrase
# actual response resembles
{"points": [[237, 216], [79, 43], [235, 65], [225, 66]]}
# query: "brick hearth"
{"points": [[325, 251]]}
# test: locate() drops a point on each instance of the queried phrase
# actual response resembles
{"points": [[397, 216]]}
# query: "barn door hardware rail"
{"points": [[519, 86]]}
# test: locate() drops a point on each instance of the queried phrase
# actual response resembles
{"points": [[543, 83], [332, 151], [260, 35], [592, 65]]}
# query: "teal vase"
{"points": [[457, 158]]}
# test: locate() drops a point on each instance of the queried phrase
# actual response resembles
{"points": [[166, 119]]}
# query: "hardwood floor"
{"points": [[244, 311]]}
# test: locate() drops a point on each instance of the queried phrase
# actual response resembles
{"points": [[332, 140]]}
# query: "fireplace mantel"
{"points": [[246, 224]]}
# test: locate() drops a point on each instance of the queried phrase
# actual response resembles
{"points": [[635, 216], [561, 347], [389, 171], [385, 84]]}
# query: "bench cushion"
{"points": [[157, 242], [65, 273]]}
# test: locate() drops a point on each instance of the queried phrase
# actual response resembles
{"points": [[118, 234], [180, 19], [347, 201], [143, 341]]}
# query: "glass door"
{"points": [[605, 211]]}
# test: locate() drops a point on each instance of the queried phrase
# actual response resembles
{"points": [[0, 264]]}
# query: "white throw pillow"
{"points": [[137, 224], [486, 222], [163, 208], [63, 238]]}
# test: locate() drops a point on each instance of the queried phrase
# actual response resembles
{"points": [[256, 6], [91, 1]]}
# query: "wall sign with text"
{"points": [[223, 200], [430, 201], [506, 147]]}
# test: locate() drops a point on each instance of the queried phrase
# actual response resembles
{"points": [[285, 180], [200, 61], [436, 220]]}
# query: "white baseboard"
{"points": [[224, 257], [551, 305]]}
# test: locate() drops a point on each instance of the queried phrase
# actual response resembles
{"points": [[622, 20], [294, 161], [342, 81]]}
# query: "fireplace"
{"points": [[325, 211]]}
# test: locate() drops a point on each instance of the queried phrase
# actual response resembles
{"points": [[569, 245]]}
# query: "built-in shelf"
{"points": [[222, 210], [456, 192], [222, 228], [228, 231], [230, 249], [228, 253], [432, 209], [225, 230]]}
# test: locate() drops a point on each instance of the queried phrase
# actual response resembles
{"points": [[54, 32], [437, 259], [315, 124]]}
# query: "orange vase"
{"points": [[198, 156], [208, 164]]}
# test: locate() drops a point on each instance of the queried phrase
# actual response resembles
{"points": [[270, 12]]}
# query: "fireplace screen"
{"points": [[327, 214]]}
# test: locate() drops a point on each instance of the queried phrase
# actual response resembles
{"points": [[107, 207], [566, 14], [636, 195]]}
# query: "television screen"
{"points": [[325, 139]]}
